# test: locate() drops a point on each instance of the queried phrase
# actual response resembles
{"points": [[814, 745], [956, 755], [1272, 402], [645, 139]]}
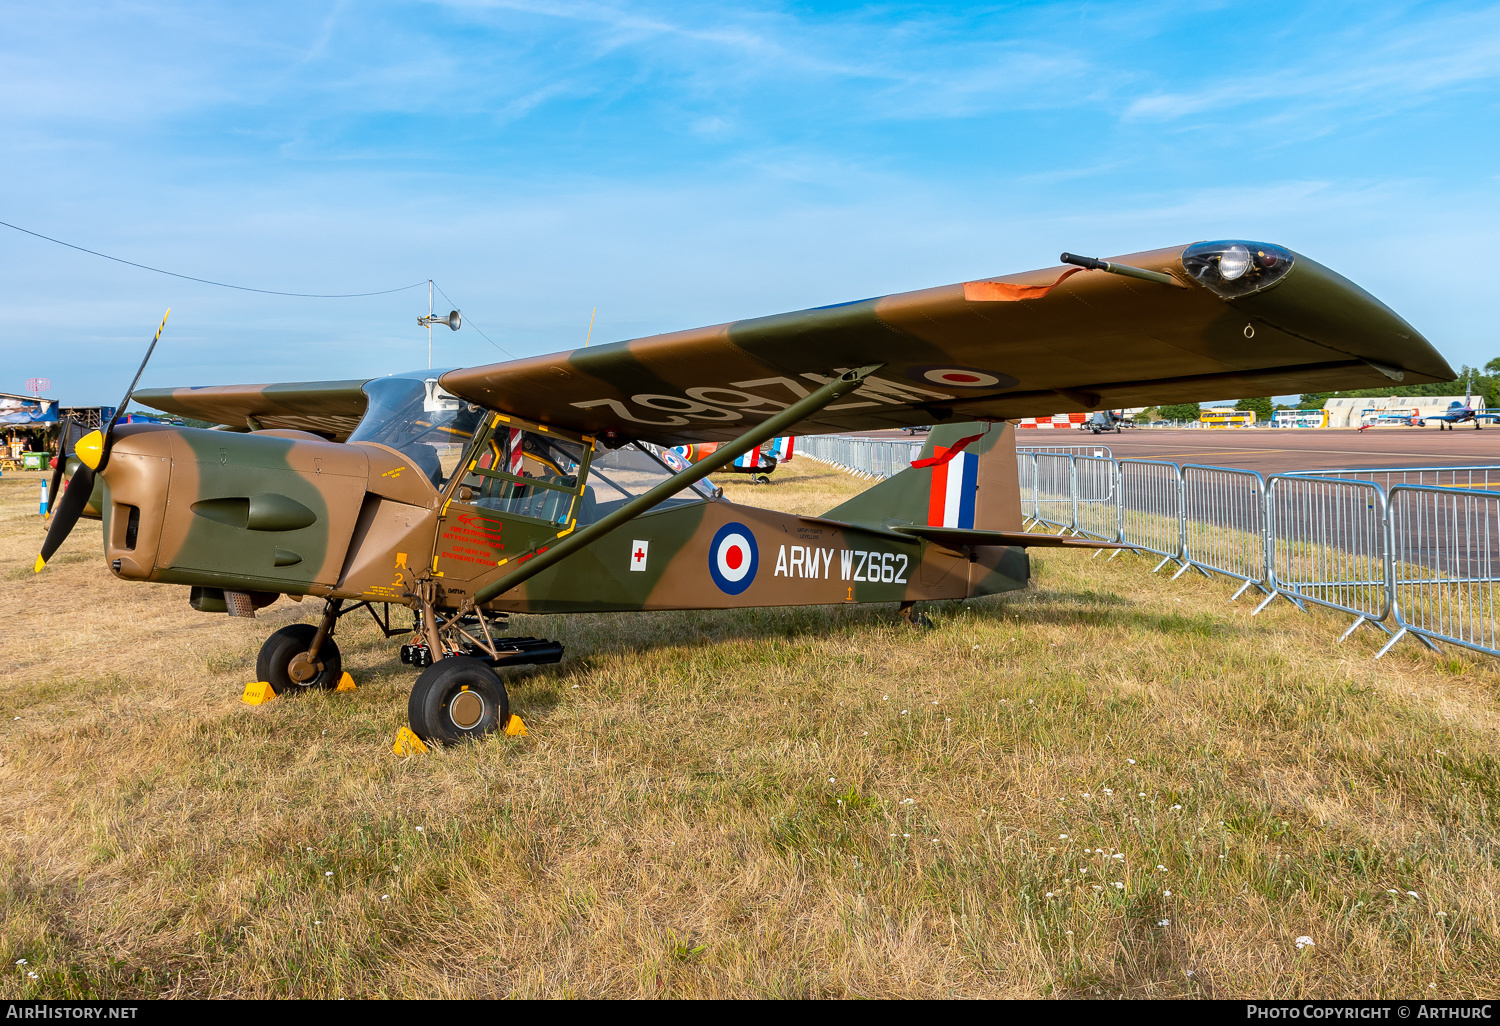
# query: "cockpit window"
{"points": [[618, 475], [412, 414], [525, 473]]}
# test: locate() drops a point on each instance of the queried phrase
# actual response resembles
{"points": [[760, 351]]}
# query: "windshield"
{"points": [[412, 414]]}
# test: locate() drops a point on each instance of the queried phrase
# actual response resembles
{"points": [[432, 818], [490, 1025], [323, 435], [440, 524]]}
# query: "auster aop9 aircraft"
{"points": [[535, 486]]}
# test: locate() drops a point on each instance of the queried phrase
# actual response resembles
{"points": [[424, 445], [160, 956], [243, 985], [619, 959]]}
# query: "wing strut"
{"points": [[724, 455]]}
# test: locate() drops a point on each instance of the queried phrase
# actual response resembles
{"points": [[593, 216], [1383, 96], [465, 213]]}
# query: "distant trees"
{"points": [[1180, 411], [1262, 408]]}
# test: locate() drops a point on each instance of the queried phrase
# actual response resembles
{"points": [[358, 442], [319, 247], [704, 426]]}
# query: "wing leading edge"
{"points": [[1020, 345], [329, 408]]}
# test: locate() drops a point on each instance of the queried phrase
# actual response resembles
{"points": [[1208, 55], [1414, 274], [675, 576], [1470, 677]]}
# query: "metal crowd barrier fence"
{"points": [[865, 457], [1071, 450], [1095, 509], [1054, 490], [1475, 476], [1326, 543], [1224, 524], [1445, 564], [1149, 504], [1399, 544]]}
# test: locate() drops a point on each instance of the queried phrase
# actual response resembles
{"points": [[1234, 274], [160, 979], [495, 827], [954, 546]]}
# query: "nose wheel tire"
{"points": [[455, 698], [274, 664]]}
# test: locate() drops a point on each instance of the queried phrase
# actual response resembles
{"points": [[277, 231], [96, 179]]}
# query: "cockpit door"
{"points": [[522, 485]]}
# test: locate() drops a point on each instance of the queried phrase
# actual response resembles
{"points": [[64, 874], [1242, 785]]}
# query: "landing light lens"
{"points": [[1231, 268], [1234, 262]]}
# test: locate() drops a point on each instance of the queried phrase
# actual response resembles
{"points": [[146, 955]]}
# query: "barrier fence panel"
{"points": [[1095, 511], [1071, 450], [1026, 472], [1149, 501], [1445, 564], [1327, 545], [867, 457], [1054, 489], [1223, 523], [1475, 476]]}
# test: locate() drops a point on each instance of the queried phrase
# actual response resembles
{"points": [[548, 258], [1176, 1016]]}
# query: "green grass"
{"points": [[811, 802]]}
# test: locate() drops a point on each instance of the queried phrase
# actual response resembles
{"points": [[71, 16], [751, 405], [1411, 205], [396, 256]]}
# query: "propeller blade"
{"points": [[67, 513], [62, 461], [120, 410], [82, 485]]}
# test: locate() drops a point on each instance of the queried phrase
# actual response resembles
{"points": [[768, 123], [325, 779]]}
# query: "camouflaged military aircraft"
{"points": [[535, 485]]}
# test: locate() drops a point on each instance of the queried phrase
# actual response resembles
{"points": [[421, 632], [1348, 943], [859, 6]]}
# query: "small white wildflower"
{"points": [[1141, 794], [1070, 933], [575, 687], [1165, 922], [1120, 856], [1167, 893], [830, 780], [934, 701], [1083, 872], [20, 961], [1177, 806], [865, 734], [904, 711], [1444, 914], [1085, 794], [1414, 894], [317, 922], [1190, 972], [1131, 761], [841, 801], [385, 897], [419, 830], [906, 835], [1119, 885], [1305, 942], [949, 719], [1051, 895], [1391, 890], [32, 975], [1108, 791], [329, 873], [885, 698], [1062, 837], [1031, 701]]}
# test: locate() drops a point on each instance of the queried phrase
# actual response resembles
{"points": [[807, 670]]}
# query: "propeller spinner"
{"points": [[92, 451]]}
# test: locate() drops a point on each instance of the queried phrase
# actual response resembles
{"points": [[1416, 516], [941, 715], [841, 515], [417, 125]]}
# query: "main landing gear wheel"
{"points": [[275, 664], [455, 698]]}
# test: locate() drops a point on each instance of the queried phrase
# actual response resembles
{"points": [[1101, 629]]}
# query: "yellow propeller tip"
{"points": [[40, 562]]}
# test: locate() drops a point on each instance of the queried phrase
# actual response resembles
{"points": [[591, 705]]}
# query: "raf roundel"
{"points": [[960, 377], [733, 558]]}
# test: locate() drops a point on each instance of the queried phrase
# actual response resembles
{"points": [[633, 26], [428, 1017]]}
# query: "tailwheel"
{"points": [[762, 479], [285, 665], [455, 698]]}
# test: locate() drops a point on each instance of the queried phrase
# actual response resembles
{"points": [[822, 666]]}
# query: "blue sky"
{"points": [[684, 164]]}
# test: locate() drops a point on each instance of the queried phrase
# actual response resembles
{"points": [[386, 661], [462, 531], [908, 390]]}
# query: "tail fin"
{"points": [[969, 481]]}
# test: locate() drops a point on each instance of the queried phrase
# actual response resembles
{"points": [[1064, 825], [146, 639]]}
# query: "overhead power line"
{"points": [[206, 281], [469, 323]]}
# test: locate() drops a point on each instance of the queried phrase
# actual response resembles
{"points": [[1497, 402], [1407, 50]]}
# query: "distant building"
{"points": [[1351, 413]]}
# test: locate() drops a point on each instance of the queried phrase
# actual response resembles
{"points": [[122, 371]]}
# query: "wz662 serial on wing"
{"points": [[538, 486]]}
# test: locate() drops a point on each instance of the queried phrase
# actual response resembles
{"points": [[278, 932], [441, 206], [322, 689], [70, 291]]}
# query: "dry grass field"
{"points": [[1108, 785]]}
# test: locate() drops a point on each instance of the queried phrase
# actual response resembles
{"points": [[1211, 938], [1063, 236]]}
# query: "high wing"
{"points": [[1021, 345], [329, 408]]}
